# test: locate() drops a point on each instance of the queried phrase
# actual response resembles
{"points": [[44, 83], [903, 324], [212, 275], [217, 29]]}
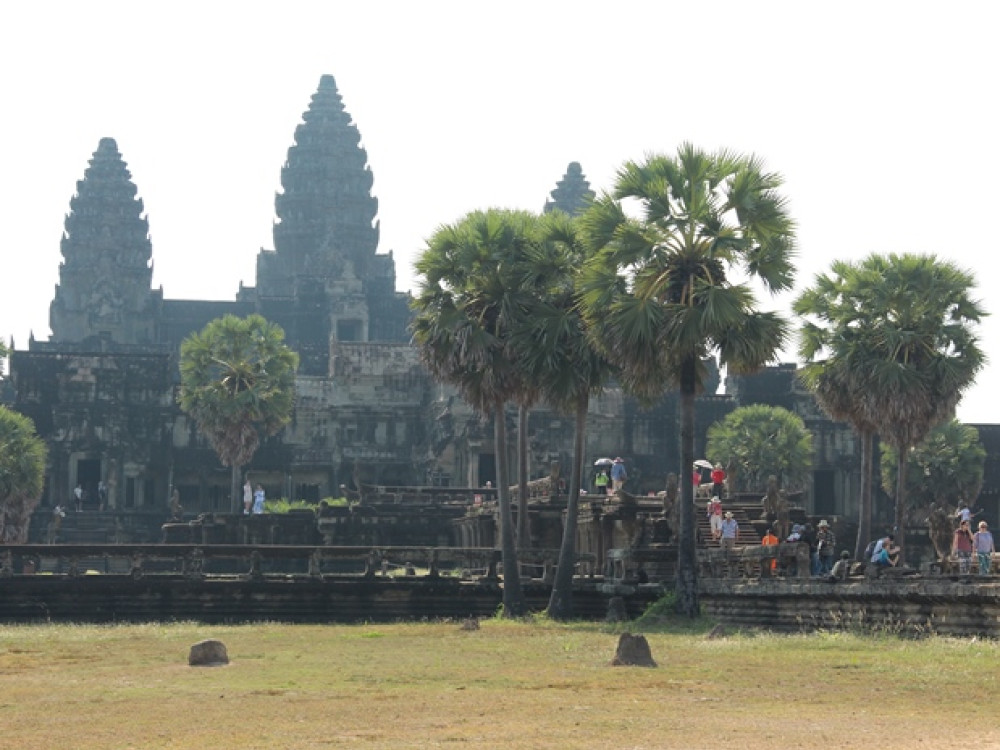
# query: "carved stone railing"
{"points": [[195, 561], [754, 562]]}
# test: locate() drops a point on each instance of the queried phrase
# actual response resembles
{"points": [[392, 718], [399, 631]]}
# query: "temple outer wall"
{"points": [[915, 607]]}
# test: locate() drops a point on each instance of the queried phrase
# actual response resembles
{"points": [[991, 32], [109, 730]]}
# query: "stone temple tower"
{"points": [[104, 292], [324, 281]]}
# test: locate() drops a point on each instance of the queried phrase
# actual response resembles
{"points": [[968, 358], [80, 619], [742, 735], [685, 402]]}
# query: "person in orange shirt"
{"points": [[770, 540]]}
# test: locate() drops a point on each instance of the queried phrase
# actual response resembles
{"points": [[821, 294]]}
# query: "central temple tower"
{"points": [[324, 281]]}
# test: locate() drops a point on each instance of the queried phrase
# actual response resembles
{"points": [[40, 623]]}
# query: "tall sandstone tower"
{"points": [[104, 292], [323, 282]]}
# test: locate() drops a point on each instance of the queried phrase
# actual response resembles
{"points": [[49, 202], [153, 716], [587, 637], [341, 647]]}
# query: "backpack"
{"points": [[870, 550]]}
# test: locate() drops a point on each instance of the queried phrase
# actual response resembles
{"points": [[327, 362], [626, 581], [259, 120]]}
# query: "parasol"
{"points": [[701, 463], [603, 462]]}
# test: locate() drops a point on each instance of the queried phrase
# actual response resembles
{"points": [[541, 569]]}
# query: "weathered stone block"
{"points": [[208, 653], [633, 651]]}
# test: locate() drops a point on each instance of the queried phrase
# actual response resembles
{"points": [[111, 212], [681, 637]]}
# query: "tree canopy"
{"points": [[891, 346], [757, 441], [671, 287], [476, 286], [944, 469], [238, 384], [22, 475]]}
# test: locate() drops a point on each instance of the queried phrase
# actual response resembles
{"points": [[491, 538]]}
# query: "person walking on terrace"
{"points": [[618, 475], [258, 500], [825, 543], [730, 528], [961, 547], [985, 548], [715, 517], [601, 482], [718, 480]]}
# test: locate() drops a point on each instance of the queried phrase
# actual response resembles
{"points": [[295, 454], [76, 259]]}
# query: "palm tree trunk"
{"points": [[513, 596], [686, 588], [561, 599], [903, 454], [865, 505], [523, 541], [234, 490]]}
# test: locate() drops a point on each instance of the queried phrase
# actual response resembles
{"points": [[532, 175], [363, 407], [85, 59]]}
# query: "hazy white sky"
{"points": [[881, 116]]}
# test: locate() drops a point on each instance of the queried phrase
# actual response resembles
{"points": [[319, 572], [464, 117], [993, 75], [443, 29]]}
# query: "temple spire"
{"points": [[326, 212], [106, 274], [572, 194]]}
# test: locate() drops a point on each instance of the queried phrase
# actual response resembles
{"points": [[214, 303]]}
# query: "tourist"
{"points": [[718, 477], [78, 496], [770, 540], [842, 569], [730, 528], [601, 482], [715, 517], [618, 474], [808, 536], [826, 541], [886, 554], [983, 543], [961, 548], [176, 511], [964, 513], [58, 514], [102, 494], [258, 500], [247, 497]]}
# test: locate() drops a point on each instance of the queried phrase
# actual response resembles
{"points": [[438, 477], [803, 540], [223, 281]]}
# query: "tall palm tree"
{"points": [[905, 325], [671, 288], [469, 303], [237, 383], [558, 356], [829, 343], [22, 475]]}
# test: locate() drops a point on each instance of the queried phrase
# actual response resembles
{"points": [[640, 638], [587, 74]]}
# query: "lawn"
{"points": [[533, 684]]}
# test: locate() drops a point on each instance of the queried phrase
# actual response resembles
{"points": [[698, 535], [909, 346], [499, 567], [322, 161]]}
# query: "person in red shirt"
{"points": [[718, 477]]}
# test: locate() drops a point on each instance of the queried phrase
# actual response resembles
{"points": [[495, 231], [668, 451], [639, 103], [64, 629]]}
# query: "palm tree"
{"points": [[237, 383], [469, 303], [758, 441], [945, 469], [557, 355], [661, 295], [22, 475], [904, 325], [834, 322]]}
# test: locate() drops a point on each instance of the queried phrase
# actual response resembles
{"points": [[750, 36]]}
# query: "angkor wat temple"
{"points": [[102, 389]]}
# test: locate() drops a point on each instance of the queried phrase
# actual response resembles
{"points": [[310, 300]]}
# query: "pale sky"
{"points": [[880, 115]]}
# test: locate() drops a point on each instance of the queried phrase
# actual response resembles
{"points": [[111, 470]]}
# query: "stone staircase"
{"points": [[745, 536]]}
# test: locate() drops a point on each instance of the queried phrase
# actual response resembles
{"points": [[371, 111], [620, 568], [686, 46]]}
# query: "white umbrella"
{"points": [[701, 463], [603, 462]]}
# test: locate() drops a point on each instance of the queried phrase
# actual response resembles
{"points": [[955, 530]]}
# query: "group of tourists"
{"points": [[965, 544], [822, 543], [611, 476], [82, 496]]}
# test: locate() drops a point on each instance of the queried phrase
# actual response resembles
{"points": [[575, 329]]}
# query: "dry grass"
{"points": [[509, 685]]}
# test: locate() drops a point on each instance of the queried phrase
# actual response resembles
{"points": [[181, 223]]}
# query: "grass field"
{"points": [[532, 684]]}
